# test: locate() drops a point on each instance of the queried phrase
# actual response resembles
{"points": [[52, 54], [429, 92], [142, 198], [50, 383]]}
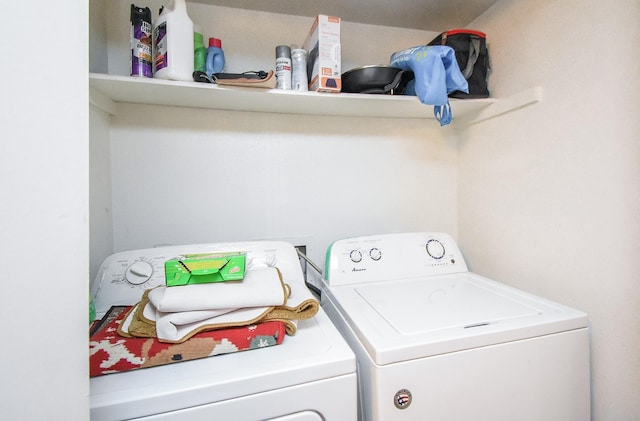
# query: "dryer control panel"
{"points": [[392, 256], [124, 276]]}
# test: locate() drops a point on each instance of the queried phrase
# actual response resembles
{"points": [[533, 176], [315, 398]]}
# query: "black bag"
{"points": [[472, 57]]}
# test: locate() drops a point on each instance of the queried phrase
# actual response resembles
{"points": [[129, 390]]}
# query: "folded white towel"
{"points": [[175, 327], [192, 315], [261, 287], [179, 326]]}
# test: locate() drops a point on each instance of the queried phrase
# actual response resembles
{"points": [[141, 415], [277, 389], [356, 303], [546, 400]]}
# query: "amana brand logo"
{"points": [[358, 269], [402, 399]]}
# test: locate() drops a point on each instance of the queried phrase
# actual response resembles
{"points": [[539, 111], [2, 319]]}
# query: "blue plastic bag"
{"points": [[436, 75]]}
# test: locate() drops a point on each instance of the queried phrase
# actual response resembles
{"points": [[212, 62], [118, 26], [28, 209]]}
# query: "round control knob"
{"points": [[435, 249], [375, 254], [138, 273], [355, 256]]}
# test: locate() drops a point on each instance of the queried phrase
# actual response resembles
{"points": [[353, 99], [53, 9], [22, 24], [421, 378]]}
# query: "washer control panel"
{"points": [[392, 256]]}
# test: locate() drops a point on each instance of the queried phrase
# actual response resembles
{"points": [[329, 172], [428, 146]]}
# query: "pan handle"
{"points": [[388, 88], [394, 84]]}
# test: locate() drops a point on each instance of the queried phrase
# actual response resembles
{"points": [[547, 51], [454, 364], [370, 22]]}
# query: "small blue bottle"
{"points": [[215, 57]]}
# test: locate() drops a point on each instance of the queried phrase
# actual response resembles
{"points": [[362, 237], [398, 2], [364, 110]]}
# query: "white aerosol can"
{"points": [[173, 43], [299, 80]]}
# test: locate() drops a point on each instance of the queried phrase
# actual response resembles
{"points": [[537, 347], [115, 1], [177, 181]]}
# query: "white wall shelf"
{"points": [[106, 90]]}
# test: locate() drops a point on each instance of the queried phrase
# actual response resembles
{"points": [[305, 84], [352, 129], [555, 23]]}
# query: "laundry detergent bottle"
{"points": [[215, 57], [173, 43], [199, 51]]}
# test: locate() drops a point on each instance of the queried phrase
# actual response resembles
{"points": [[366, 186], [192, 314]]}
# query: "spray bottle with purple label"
{"points": [[141, 60]]}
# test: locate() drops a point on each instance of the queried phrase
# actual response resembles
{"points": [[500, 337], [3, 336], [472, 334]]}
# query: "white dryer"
{"points": [[309, 377], [437, 342]]}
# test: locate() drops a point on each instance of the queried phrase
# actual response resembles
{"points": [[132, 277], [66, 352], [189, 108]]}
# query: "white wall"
{"points": [[549, 196], [249, 38], [189, 175], [44, 209], [100, 199]]}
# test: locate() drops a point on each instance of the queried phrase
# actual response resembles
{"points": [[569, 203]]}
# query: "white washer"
{"points": [[309, 377], [437, 342]]}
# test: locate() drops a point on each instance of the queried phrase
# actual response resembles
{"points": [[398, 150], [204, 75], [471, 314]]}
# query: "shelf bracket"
{"points": [[506, 105], [101, 101]]}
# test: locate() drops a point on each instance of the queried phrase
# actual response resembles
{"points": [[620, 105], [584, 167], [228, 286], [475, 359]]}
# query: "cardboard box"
{"points": [[193, 269], [323, 54]]}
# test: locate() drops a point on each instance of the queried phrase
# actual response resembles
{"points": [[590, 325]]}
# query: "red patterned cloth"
{"points": [[112, 353]]}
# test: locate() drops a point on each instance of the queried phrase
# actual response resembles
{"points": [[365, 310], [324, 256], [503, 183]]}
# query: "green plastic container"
{"points": [[208, 268]]}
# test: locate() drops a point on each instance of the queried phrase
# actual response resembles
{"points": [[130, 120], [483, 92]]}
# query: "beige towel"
{"points": [[174, 327], [170, 329], [144, 321], [135, 324], [269, 82]]}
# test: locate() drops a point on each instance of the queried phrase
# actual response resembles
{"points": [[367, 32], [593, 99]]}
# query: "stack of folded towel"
{"points": [[175, 314], [111, 353]]}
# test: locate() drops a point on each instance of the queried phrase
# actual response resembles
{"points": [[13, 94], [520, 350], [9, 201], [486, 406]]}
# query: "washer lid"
{"points": [[442, 304], [406, 319]]}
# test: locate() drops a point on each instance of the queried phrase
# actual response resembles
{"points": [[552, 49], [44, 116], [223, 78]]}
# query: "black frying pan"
{"points": [[376, 80]]}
